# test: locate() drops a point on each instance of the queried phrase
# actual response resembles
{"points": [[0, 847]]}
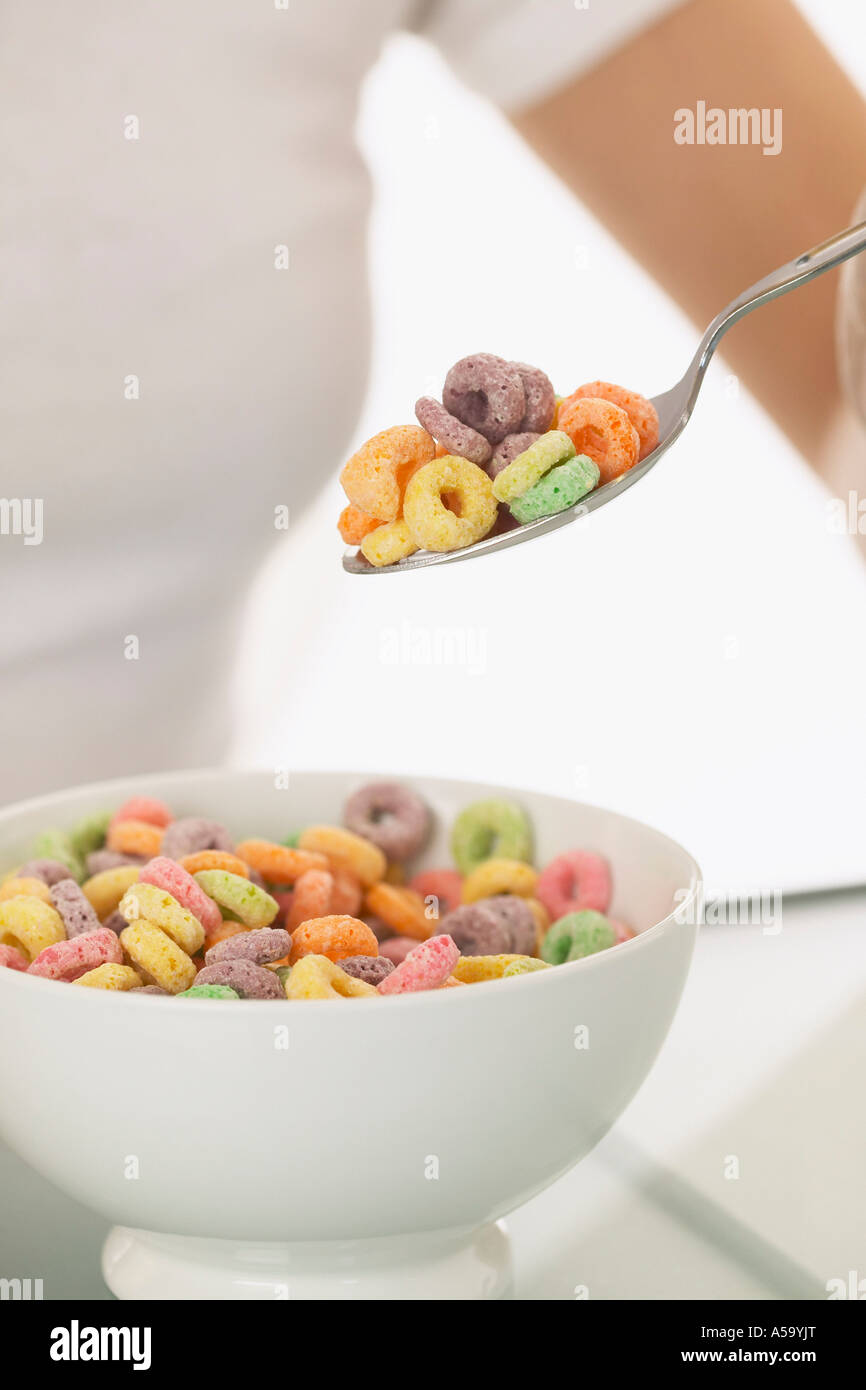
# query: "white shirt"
{"points": [[164, 386]]}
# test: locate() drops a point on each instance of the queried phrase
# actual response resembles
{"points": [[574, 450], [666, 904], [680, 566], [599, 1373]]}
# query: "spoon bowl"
{"points": [[674, 408]]}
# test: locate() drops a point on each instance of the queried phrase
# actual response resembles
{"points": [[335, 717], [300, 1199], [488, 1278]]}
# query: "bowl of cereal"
{"points": [[316, 1038]]}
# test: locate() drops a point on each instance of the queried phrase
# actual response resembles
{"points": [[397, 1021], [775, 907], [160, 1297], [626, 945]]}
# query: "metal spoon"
{"points": [[674, 406]]}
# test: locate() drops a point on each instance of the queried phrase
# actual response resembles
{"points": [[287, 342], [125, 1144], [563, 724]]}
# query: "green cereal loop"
{"points": [[56, 844], [561, 488], [576, 935], [523, 472], [208, 992], [89, 834], [291, 841], [524, 966], [494, 829], [251, 904], [282, 973]]}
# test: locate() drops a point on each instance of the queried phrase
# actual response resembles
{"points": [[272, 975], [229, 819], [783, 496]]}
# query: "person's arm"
{"points": [[708, 220]]}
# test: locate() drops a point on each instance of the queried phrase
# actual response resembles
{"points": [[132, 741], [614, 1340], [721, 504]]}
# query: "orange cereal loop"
{"points": [[335, 937], [603, 432], [279, 863], [451, 982], [312, 897], [395, 873], [214, 859], [542, 921], [640, 411], [347, 892], [223, 932], [346, 850], [375, 477], [354, 524], [401, 909], [134, 837], [25, 887]]}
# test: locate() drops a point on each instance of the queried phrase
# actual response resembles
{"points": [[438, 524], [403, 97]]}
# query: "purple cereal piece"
{"points": [[101, 859], [370, 969], [452, 433], [391, 816], [476, 930], [192, 834], [516, 917], [50, 871], [540, 397], [262, 946], [246, 979], [117, 923], [486, 393], [148, 989], [75, 911], [507, 451]]}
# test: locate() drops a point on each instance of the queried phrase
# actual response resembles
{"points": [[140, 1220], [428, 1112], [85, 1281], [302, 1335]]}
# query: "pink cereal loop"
{"points": [[146, 808], [573, 881], [174, 879], [12, 958], [66, 960], [397, 948], [426, 967]]}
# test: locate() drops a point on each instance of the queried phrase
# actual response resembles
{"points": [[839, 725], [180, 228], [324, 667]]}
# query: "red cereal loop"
{"points": [[603, 432], [640, 411]]}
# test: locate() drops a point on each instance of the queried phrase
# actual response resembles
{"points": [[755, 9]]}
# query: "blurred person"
{"points": [[166, 384]]}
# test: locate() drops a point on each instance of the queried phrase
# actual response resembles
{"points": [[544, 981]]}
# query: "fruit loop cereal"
{"points": [[332, 911], [500, 449]]}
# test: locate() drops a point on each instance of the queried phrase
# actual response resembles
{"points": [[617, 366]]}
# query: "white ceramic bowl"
{"points": [[337, 1149]]}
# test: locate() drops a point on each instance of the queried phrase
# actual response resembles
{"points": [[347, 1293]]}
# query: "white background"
{"points": [[692, 655]]}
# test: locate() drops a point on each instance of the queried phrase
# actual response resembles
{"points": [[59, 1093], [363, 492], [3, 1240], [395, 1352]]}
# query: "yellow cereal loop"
{"points": [[30, 925], [449, 503], [157, 957], [527, 965], [470, 970], [499, 876], [389, 543], [110, 976], [346, 850], [159, 907], [317, 977], [527, 468], [104, 891], [25, 887]]}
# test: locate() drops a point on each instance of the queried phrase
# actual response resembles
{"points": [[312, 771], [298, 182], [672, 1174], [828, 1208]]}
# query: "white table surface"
{"points": [[764, 1063]]}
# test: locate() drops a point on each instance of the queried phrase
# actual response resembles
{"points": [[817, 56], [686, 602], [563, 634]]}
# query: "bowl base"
{"points": [[431, 1265]]}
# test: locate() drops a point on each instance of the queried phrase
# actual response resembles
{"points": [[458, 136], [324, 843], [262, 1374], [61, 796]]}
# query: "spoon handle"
{"points": [[789, 276]]}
